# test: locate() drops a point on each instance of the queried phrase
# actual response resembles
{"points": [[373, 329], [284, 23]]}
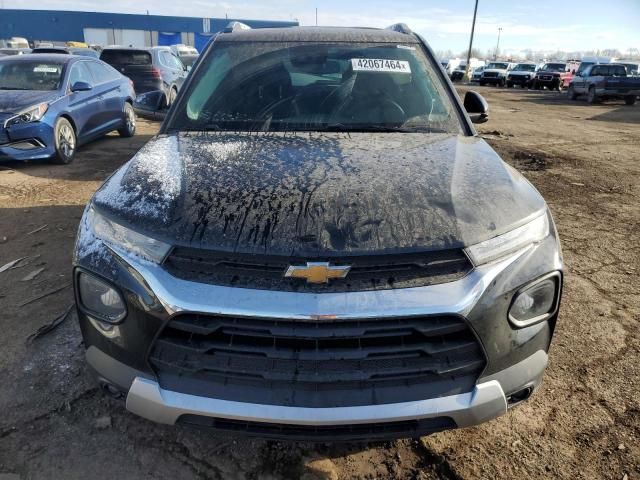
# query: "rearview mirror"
{"points": [[476, 106], [81, 87], [152, 104]]}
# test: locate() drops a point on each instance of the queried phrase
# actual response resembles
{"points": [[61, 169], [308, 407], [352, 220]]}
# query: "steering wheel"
{"points": [[395, 115]]}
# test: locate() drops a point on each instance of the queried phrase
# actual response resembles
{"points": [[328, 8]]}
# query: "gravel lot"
{"points": [[584, 422]]}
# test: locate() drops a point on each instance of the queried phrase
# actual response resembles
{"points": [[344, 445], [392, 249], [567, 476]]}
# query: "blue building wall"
{"points": [[69, 26]]}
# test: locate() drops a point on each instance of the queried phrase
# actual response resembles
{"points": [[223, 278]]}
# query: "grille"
{"points": [[546, 77], [491, 74], [368, 432], [317, 363], [375, 272]]}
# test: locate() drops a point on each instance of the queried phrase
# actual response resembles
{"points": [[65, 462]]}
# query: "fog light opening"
{"points": [[100, 300], [535, 302], [519, 396]]}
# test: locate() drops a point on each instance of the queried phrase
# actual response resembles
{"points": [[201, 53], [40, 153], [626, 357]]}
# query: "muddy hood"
{"points": [[318, 194]]}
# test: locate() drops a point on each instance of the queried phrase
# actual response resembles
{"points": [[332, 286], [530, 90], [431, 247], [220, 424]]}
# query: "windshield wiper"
{"points": [[13, 88], [339, 127]]}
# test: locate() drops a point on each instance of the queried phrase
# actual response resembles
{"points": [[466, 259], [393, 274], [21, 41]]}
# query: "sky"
{"points": [[569, 25]]}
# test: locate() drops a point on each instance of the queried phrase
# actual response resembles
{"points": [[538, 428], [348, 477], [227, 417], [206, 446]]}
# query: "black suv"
{"points": [[150, 69], [317, 244]]}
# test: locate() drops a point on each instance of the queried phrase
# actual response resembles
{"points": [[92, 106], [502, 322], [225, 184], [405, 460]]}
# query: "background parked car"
{"points": [[88, 52], [150, 69], [551, 75], [633, 68], [496, 73], [604, 81], [188, 61], [182, 50], [477, 74], [50, 104], [14, 51], [522, 74]]}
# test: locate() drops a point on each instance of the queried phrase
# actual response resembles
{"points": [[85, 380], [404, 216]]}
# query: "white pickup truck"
{"points": [[496, 73]]}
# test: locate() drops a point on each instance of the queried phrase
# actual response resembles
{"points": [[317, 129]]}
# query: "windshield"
{"points": [[554, 67], [273, 86], [525, 67], [498, 66], [30, 75], [584, 66], [126, 57]]}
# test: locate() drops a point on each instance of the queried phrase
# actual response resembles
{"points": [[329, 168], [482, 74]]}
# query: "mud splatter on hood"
{"points": [[318, 194]]}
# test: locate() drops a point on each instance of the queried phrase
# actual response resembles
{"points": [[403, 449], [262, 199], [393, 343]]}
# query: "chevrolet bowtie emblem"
{"points": [[317, 272]]}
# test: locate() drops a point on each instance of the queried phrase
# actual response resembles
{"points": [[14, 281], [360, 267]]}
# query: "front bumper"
{"points": [[547, 81], [516, 358], [519, 80], [492, 80], [487, 400], [30, 141]]}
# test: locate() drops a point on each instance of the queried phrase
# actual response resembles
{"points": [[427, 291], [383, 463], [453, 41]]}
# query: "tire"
{"points": [[482, 84], [591, 96], [509, 84], [64, 137], [572, 92], [559, 86], [501, 82], [129, 128], [630, 99]]}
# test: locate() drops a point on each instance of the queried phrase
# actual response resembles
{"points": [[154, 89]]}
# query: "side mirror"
{"points": [[81, 87], [152, 104], [476, 106]]}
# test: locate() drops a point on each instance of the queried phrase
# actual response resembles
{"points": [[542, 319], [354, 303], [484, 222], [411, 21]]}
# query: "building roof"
{"points": [[318, 34]]}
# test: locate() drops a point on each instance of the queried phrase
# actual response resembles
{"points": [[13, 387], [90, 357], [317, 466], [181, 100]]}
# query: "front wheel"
{"points": [[65, 142], [509, 84], [630, 99], [482, 84], [129, 128], [591, 96], [572, 92], [501, 82]]}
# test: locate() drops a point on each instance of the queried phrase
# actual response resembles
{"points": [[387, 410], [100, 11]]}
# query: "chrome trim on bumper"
{"points": [[458, 297], [148, 400]]}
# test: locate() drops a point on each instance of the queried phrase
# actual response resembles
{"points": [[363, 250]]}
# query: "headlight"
{"points": [[535, 302], [99, 299], [31, 114], [122, 238], [510, 242]]}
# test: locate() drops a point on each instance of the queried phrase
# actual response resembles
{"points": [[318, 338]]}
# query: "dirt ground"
{"points": [[584, 421]]}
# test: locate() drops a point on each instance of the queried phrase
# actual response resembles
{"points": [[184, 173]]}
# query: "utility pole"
{"points": [[473, 28], [316, 16], [495, 56]]}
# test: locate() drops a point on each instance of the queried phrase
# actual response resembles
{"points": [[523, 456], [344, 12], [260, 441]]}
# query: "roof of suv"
{"points": [[318, 34]]}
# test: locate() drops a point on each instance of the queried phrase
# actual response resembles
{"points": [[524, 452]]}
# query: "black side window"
{"points": [[80, 73]]}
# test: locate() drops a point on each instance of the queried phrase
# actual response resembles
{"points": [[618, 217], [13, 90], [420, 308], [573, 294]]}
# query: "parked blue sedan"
{"points": [[50, 104]]}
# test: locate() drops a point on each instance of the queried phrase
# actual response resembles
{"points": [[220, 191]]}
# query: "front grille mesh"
{"points": [[265, 272], [367, 432], [317, 363]]}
